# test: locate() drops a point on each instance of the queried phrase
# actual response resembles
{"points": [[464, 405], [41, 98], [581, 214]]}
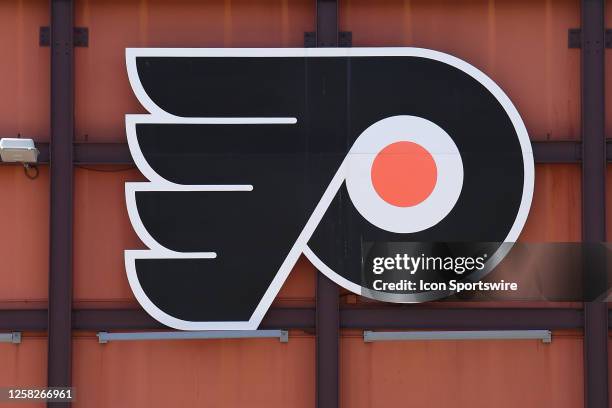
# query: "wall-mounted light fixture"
{"points": [[18, 150]]}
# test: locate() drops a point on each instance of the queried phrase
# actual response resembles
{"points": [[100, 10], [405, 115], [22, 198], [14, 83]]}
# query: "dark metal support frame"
{"points": [[119, 153], [305, 319], [594, 197], [327, 299], [61, 193]]}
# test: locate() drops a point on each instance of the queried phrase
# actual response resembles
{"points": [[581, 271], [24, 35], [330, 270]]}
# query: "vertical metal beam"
{"points": [[593, 199], [327, 23], [327, 313], [328, 337], [61, 193]]}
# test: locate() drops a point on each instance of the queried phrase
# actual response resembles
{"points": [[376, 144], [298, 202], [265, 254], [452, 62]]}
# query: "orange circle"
{"points": [[404, 174]]}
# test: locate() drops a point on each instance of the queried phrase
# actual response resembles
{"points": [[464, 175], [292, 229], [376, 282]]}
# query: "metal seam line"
{"points": [[327, 294], [61, 196], [593, 198]]}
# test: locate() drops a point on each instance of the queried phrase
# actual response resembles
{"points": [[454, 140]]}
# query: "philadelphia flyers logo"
{"points": [[257, 156]]}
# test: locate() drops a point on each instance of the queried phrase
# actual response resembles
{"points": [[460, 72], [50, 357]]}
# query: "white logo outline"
{"points": [[158, 183]]}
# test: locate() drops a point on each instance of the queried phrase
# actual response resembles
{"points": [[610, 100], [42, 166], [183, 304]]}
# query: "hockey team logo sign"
{"points": [[379, 165]]}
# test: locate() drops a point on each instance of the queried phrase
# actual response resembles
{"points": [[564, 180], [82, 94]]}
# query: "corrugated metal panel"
{"points": [[103, 94], [471, 374], [102, 231], [24, 242], [555, 210], [522, 45], [24, 70], [207, 373], [24, 365], [299, 288]]}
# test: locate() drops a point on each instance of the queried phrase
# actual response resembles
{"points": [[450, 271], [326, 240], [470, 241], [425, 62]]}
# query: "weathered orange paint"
{"points": [[207, 373], [102, 91], [556, 209], [24, 70], [299, 288], [102, 231], [24, 242], [24, 365], [485, 373], [522, 45]]}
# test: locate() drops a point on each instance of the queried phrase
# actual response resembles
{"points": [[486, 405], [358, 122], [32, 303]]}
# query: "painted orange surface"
{"points": [[24, 70], [102, 231], [24, 242], [501, 373], [556, 209], [522, 45], [206, 373], [24, 365], [103, 94]]}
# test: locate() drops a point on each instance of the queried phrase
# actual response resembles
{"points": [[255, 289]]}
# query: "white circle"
{"points": [[446, 191]]}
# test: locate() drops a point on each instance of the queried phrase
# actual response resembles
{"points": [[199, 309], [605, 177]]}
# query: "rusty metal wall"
{"points": [[522, 45]]}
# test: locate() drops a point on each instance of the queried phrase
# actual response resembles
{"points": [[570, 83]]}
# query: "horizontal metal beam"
{"points": [[281, 335], [138, 319], [544, 335], [113, 319], [119, 153], [557, 152], [357, 318], [461, 319], [23, 320], [93, 153], [102, 153]]}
